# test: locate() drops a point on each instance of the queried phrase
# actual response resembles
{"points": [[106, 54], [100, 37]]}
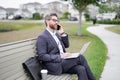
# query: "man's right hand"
{"points": [[65, 55]]}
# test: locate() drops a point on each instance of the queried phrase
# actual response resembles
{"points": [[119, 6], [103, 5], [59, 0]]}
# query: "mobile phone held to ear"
{"points": [[58, 27]]}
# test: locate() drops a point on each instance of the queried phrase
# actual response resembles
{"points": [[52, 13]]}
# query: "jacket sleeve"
{"points": [[43, 54], [65, 40]]}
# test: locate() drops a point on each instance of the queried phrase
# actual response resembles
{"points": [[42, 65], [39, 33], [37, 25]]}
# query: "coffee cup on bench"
{"points": [[44, 74]]}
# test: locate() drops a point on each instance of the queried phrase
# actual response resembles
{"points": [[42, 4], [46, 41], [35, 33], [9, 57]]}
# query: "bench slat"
{"points": [[10, 68], [23, 77], [10, 73], [16, 45], [10, 57], [19, 59], [15, 76], [61, 77], [15, 51]]}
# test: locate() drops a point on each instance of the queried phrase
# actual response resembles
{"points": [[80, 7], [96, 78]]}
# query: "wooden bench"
{"points": [[12, 55]]}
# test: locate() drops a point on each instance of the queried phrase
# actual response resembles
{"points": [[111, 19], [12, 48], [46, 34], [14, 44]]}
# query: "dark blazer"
{"points": [[48, 51]]}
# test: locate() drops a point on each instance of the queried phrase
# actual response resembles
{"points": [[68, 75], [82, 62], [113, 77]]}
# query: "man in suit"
{"points": [[51, 46]]}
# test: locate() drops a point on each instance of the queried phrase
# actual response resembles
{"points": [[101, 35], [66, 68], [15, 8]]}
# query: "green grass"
{"points": [[115, 29], [5, 26], [95, 54]]}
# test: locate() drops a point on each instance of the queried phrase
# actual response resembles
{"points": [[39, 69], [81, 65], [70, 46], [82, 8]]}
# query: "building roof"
{"points": [[26, 11], [63, 2], [11, 9], [35, 3], [2, 8]]}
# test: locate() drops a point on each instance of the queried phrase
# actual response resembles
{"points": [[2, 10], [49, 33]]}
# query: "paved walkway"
{"points": [[112, 40]]}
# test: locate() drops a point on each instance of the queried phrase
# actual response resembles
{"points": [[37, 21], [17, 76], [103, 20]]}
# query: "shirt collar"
{"points": [[52, 33]]}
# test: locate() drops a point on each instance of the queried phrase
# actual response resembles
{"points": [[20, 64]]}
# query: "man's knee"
{"points": [[81, 59], [80, 69]]}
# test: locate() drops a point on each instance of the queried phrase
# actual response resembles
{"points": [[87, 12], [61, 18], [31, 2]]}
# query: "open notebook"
{"points": [[74, 55]]}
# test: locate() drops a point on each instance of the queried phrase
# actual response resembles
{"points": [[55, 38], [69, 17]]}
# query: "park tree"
{"points": [[66, 15], [110, 6], [104, 8], [80, 5], [116, 8]]}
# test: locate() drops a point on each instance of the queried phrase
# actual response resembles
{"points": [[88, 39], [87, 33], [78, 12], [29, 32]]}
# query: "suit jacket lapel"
{"points": [[51, 38]]}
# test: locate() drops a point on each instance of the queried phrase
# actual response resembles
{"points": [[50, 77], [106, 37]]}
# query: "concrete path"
{"points": [[112, 40]]}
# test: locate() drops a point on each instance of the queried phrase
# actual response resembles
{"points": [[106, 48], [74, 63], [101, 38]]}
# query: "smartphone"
{"points": [[58, 27]]}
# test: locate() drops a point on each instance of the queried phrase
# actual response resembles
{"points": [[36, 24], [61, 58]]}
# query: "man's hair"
{"points": [[48, 17]]}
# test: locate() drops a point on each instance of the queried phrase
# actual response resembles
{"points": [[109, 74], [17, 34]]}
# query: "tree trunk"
{"points": [[80, 23]]}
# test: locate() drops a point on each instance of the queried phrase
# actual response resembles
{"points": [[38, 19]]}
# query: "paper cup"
{"points": [[44, 74]]}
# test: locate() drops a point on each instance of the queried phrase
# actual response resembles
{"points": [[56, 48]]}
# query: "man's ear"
{"points": [[47, 22]]}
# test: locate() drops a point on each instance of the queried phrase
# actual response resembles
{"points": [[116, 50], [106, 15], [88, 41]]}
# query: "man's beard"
{"points": [[53, 27]]}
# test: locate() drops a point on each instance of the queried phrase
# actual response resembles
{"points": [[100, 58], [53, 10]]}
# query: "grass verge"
{"points": [[115, 29], [6, 26], [95, 54]]}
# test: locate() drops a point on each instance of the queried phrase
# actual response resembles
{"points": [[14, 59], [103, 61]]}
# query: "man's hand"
{"points": [[65, 55], [61, 30]]}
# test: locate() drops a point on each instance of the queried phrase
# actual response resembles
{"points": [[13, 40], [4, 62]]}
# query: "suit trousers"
{"points": [[78, 66]]}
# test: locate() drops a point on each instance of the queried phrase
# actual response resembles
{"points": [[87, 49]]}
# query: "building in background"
{"points": [[59, 7], [27, 10], [3, 13], [10, 13]]}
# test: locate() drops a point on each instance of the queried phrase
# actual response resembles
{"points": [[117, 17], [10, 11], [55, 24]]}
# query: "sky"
{"points": [[17, 3]]}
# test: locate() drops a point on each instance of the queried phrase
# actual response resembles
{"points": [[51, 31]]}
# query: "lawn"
{"points": [[19, 31], [115, 29], [95, 54], [14, 26]]}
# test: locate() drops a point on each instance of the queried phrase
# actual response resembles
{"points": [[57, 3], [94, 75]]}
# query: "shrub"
{"points": [[87, 15], [115, 21], [88, 19], [65, 15], [36, 16]]}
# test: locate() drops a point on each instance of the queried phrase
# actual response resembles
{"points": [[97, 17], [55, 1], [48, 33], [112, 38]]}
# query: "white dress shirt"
{"points": [[57, 40]]}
